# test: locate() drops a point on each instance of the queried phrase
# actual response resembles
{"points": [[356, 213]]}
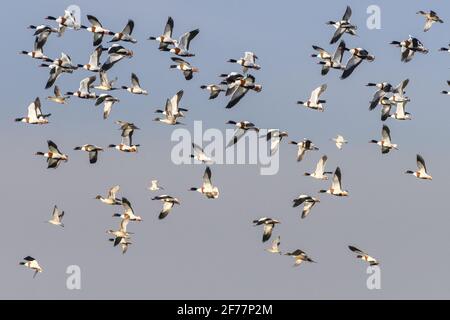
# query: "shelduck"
{"points": [[125, 35], [84, 92], [240, 88], [302, 147], [400, 113], [124, 243], [275, 136], [34, 115], [53, 155], [320, 172], [383, 89], [122, 233], [168, 203], [445, 49], [241, 128], [135, 86], [444, 91], [166, 38], [56, 217], [57, 67], [247, 62], [182, 46], [184, 66], [42, 32], [364, 256], [207, 188], [385, 142], [322, 53], [105, 83], [97, 29], [409, 47], [339, 141], [268, 224], [127, 128], [38, 50], [93, 151], [64, 62], [31, 263], [214, 90], [172, 111], [430, 18], [343, 26], [314, 102], [200, 155], [421, 173], [128, 211], [108, 101], [55, 72], [126, 144], [115, 54], [275, 247], [299, 257], [94, 60], [111, 199], [155, 186], [125, 147], [358, 56], [331, 62], [58, 97], [308, 203], [68, 20], [336, 186]]}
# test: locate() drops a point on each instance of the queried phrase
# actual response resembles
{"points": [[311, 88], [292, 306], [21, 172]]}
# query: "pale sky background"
{"points": [[209, 249]]}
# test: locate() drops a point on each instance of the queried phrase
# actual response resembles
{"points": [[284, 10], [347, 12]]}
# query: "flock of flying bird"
{"points": [[234, 84]]}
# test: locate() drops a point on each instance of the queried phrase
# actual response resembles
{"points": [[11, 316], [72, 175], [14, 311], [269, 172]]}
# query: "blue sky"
{"points": [[209, 249]]}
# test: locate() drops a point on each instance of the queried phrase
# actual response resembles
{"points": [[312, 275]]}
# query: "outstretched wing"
{"points": [[207, 179], [336, 183], [347, 14], [52, 147], [167, 206], [186, 39], [129, 27], [238, 94], [421, 163], [168, 29], [351, 66]]}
